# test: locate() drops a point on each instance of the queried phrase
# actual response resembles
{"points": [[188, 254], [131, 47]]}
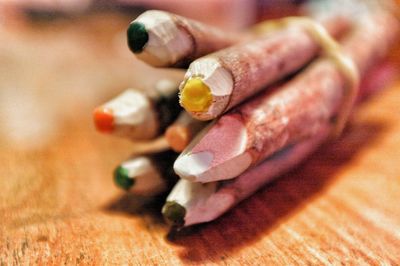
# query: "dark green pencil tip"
{"points": [[122, 179], [137, 37], [174, 213]]}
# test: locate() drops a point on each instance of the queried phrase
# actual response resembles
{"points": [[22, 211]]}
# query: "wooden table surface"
{"points": [[58, 203]]}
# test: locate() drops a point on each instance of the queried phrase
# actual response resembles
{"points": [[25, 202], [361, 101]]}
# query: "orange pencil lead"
{"points": [[103, 119]]}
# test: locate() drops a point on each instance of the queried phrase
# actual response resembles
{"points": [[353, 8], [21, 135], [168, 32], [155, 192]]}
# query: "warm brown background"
{"points": [[58, 203]]}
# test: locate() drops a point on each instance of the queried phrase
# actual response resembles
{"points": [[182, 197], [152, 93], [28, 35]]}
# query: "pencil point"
{"points": [[103, 119], [122, 179], [195, 95], [174, 212], [137, 37]]}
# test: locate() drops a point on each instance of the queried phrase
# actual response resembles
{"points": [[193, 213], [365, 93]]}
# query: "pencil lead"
{"points": [[195, 95], [122, 179], [174, 213], [137, 37], [103, 119]]}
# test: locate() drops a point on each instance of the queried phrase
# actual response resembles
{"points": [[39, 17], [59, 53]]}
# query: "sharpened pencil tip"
{"points": [[195, 95], [174, 213], [137, 37], [122, 179]]}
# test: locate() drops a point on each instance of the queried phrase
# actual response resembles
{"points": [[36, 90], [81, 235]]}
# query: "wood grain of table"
{"points": [[58, 204]]}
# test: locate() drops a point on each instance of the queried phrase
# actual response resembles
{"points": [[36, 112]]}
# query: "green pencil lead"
{"points": [[137, 37], [122, 179], [174, 213]]}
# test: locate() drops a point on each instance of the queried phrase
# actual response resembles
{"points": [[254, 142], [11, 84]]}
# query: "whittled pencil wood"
{"points": [[139, 115], [217, 82], [162, 39], [292, 112]]}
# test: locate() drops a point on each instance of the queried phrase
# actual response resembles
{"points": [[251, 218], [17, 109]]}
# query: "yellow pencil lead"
{"points": [[196, 95]]}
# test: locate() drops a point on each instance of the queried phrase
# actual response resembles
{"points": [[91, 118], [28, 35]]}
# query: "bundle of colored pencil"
{"points": [[276, 93]]}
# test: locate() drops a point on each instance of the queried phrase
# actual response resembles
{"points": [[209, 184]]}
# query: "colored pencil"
{"points": [[219, 81], [146, 175], [139, 115], [191, 203], [291, 112], [164, 39]]}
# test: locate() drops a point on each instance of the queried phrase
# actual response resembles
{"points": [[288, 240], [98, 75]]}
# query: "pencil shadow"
{"points": [[263, 212], [132, 205]]}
